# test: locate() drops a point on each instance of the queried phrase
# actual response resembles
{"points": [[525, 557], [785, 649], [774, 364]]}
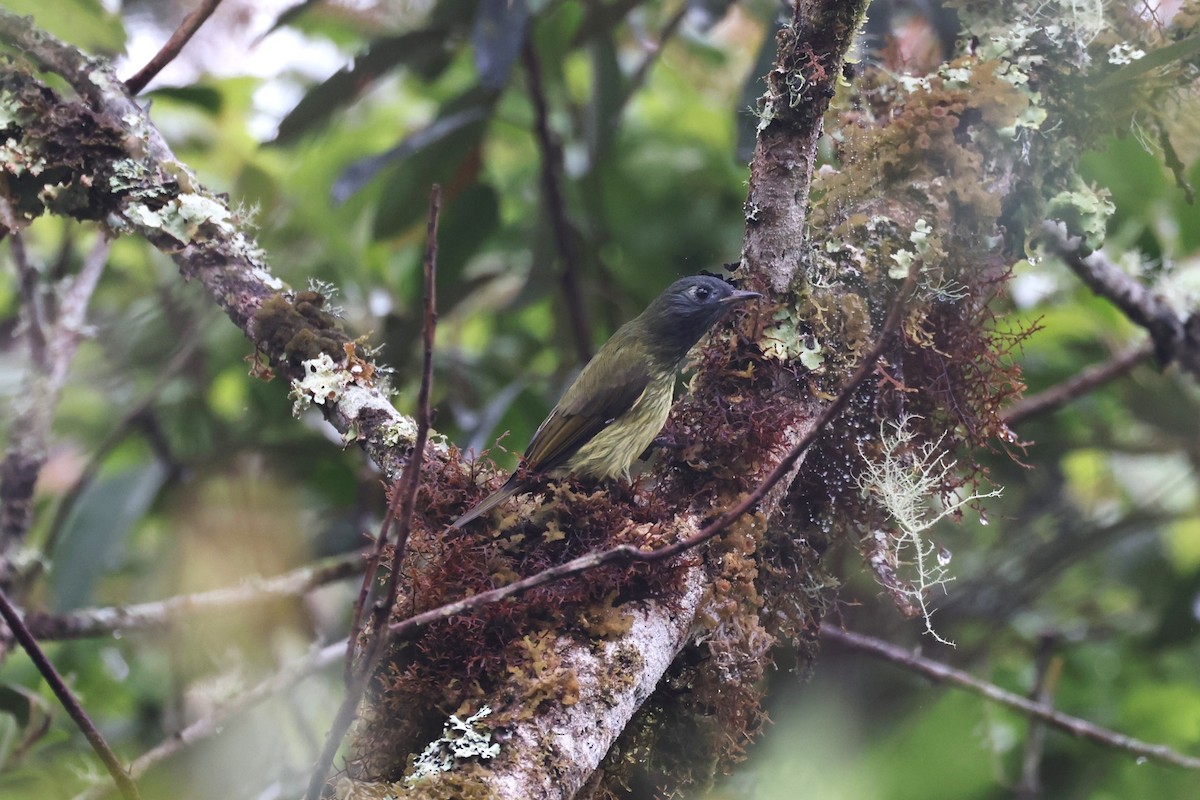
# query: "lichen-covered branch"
{"points": [[811, 52], [1175, 338], [99, 157]]}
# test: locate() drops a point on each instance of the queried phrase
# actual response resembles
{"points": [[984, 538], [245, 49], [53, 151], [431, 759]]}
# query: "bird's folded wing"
{"points": [[594, 401]]}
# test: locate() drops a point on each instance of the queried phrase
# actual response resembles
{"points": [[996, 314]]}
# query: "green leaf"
{"points": [[1126, 75], [448, 138], [424, 51], [96, 530], [497, 36], [467, 222], [83, 23]]}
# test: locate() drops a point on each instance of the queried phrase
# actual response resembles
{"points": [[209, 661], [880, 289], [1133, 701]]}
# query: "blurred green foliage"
{"points": [[1095, 542]]}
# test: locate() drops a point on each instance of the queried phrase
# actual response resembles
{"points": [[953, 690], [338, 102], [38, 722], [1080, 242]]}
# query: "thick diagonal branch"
{"points": [[1175, 338]]}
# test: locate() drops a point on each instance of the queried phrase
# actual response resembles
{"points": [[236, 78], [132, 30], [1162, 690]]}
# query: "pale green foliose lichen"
{"points": [[324, 379], [135, 179], [401, 432], [1084, 210], [8, 109], [268, 279], [811, 357], [911, 83], [196, 210], [16, 160], [461, 739], [905, 258], [956, 77], [783, 341], [1031, 118], [182, 217], [1124, 53], [100, 78]]}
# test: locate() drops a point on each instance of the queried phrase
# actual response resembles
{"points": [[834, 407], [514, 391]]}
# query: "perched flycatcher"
{"points": [[620, 401]]}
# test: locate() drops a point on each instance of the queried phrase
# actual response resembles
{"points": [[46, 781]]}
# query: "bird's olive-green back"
{"points": [[607, 388]]}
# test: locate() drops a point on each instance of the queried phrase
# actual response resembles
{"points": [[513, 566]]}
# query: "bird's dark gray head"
{"points": [[686, 310]]}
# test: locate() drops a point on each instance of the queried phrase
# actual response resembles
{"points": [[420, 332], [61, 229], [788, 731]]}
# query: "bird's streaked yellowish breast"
{"points": [[612, 452]]}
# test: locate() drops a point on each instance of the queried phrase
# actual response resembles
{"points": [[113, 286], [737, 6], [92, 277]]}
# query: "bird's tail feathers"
{"points": [[511, 486]]}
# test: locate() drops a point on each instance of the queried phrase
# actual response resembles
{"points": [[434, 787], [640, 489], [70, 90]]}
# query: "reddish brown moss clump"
{"points": [[503, 655]]}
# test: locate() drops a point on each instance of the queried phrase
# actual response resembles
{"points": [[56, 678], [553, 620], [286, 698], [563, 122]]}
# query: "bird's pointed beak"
{"points": [[738, 296]]}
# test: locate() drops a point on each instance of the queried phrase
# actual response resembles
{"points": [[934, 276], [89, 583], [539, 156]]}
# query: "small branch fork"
{"points": [[400, 509], [941, 673]]}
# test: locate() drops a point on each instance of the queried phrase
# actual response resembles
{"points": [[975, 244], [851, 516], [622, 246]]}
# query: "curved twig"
{"points": [[89, 622], [401, 507], [941, 673], [182, 35]]}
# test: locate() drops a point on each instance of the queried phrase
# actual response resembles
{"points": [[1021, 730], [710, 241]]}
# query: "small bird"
{"points": [[620, 401]]}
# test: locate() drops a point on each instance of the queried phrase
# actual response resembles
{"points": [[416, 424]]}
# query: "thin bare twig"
{"points": [[28, 282], [412, 477], [89, 622], [65, 696], [1173, 162], [565, 232], [942, 673], [397, 496], [212, 724], [182, 35], [406, 489], [1049, 668], [1087, 380], [627, 553], [30, 427]]}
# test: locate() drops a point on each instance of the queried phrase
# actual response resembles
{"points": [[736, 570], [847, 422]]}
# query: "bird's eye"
{"points": [[701, 292]]}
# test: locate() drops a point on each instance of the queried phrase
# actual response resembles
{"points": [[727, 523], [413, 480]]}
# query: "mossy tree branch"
{"points": [[943, 176]]}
